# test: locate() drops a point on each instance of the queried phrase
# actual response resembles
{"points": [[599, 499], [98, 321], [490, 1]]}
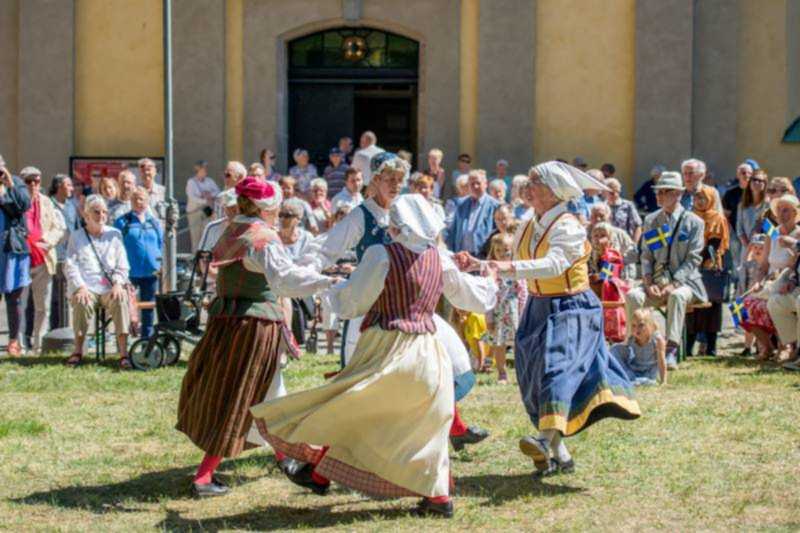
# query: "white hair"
{"points": [[29, 171], [478, 173], [748, 165], [601, 206], [462, 180], [597, 174], [497, 184], [94, 200], [237, 168], [318, 183], [299, 152], [145, 161], [614, 184], [699, 165]]}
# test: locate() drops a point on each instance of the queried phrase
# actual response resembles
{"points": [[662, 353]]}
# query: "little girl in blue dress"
{"points": [[643, 355]]}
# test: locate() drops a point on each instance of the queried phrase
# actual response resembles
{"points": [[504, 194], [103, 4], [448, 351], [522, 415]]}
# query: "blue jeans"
{"points": [[147, 293]]}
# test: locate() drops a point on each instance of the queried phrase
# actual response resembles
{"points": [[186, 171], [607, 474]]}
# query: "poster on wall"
{"points": [[84, 169]]}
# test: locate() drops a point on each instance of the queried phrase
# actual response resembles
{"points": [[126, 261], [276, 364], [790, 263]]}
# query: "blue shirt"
{"points": [[472, 223], [143, 242]]}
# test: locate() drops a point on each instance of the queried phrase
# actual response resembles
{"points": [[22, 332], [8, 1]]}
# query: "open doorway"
{"points": [[348, 80]]}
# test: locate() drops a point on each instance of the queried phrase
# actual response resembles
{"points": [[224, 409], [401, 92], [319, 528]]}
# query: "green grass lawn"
{"points": [[95, 449]]}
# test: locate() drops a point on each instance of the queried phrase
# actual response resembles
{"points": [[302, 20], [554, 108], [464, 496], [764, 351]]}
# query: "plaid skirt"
{"points": [[565, 371], [229, 371]]}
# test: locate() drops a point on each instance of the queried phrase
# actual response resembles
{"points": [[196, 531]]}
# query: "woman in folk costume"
{"points": [[238, 357], [566, 374], [365, 226], [381, 425]]}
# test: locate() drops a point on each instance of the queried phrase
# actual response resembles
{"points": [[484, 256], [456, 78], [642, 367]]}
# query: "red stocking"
{"points": [[458, 428], [207, 468], [318, 479]]}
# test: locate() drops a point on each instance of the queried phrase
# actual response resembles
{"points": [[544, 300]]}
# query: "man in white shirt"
{"points": [[213, 231], [200, 193], [350, 196], [368, 150], [97, 271]]}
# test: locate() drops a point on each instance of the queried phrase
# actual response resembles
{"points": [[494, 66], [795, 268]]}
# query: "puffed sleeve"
{"points": [[287, 278], [333, 244], [355, 296], [566, 241], [470, 293]]}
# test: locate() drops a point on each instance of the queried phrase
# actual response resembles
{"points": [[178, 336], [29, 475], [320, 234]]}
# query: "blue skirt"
{"points": [[565, 371], [15, 271]]}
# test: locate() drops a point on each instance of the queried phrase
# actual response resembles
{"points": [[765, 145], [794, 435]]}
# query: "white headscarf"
{"points": [[418, 223], [566, 181]]}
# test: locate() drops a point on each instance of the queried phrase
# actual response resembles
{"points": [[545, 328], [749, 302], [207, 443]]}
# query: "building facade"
{"points": [[633, 82]]}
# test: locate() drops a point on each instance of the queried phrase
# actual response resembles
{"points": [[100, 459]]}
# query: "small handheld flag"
{"points": [[658, 237], [770, 229], [738, 311], [606, 270]]}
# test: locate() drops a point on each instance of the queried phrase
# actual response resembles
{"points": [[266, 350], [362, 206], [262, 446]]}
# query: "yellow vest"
{"points": [[574, 280]]}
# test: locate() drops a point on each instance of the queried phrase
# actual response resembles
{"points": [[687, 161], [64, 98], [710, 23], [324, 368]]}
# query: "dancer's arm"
{"points": [[331, 246], [354, 297], [284, 276], [470, 293]]}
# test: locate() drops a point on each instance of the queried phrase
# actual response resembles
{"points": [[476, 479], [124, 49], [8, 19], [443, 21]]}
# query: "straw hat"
{"points": [[670, 180]]}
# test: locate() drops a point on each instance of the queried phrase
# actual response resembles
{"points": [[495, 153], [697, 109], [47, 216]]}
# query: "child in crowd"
{"points": [[503, 320], [643, 356], [605, 269], [471, 327], [752, 271]]}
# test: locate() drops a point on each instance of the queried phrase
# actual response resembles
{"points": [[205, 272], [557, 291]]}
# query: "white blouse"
{"points": [[566, 238], [343, 236], [82, 269], [354, 297]]}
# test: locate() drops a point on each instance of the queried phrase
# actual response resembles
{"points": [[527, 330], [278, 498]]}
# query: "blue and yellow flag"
{"points": [[738, 311], [606, 270], [658, 237], [770, 229]]}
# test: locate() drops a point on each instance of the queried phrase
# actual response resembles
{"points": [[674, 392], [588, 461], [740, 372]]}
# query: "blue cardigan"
{"points": [[484, 225], [143, 243]]}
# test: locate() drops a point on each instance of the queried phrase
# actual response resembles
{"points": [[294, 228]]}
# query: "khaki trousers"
{"points": [[41, 285], [197, 223], [676, 309], [784, 309], [83, 315]]}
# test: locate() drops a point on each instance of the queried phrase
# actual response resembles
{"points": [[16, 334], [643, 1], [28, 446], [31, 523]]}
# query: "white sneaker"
{"points": [[792, 365], [538, 450]]}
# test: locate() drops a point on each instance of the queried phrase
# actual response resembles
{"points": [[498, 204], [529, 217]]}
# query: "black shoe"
{"points": [[473, 436], [439, 510], [290, 466], [555, 467], [303, 478], [210, 490]]}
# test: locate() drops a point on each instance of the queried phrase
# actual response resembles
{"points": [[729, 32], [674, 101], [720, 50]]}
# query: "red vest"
{"points": [[413, 287]]}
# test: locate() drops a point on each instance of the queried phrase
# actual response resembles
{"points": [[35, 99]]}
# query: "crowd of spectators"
{"points": [[681, 246]]}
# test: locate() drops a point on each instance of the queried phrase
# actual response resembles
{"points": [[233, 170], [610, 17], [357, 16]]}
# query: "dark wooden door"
{"points": [[319, 114]]}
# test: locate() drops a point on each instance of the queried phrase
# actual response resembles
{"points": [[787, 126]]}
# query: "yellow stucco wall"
{"points": [[234, 80], [119, 81], [585, 68], [763, 100], [468, 110]]}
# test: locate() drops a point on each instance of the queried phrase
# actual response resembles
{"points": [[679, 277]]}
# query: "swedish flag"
{"points": [[770, 229], [658, 237], [738, 311], [606, 270]]}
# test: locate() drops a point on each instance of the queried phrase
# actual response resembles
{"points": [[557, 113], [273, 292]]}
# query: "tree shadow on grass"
{"points": [[499, 489], [172, 484], [279, 517]]}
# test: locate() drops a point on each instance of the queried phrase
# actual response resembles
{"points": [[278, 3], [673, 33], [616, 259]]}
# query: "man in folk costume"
{"points": [[566, 374], [365, 226], [381, 425], [238, 357]]}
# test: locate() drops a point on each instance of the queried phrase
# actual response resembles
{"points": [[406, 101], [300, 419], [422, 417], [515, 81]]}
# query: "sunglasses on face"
{"points": [[757, 180], [287, 215], [775, 190], [33, 180]]}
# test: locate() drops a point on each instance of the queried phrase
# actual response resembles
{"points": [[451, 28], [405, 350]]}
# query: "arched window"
{"points": [[361, 52], [792, 134]]}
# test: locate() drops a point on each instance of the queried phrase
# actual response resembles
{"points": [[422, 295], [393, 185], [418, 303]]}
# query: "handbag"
{"points": [[133, 308], [718, 284]]}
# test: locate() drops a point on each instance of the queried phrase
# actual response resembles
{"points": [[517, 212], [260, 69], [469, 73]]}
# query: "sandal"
{"points": [[125, 363], [502, 378], [74, 360]]}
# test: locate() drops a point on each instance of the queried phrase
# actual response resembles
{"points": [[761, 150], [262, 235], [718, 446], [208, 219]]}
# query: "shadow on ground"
{"points": [[172, 484], [110, 361]]}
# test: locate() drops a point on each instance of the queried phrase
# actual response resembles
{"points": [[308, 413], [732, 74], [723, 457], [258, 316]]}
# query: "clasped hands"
{"points": [[468, 263]]}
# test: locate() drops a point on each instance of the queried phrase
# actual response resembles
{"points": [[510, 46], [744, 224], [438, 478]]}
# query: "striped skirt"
{"points": [[229, 371]]}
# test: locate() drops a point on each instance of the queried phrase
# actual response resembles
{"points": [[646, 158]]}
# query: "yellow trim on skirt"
{"points": [[572, 426]]}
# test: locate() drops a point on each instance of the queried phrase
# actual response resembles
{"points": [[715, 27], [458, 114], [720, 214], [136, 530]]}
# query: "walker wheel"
{"points": [[146, 354], [172, 349], [311, 344]]}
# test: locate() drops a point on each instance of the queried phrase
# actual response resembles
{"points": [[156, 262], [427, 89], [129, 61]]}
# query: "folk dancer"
{"points": [[381, 425]]}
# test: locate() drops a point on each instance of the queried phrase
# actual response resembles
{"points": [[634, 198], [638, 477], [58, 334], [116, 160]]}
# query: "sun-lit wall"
{"points": [[119, 82], [468, 111], [763, 85], [585, 60], [234, 72]]}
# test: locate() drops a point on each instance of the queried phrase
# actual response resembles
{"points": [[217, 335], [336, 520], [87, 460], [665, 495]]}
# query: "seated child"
{"points": [[751, 271], [643, 356], [503, 320]]}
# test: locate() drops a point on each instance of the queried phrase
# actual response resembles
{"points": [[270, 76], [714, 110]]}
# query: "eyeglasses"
{"points": [[775, 190], [287, 215], [757, 180], [33, 180]]}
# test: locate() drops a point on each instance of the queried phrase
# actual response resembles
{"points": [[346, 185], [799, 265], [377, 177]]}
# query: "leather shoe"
{"points": [[210, 490], [438, 510], [473, 436], [290, 466], [538, 450], [303, 478], [555, 467]]}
